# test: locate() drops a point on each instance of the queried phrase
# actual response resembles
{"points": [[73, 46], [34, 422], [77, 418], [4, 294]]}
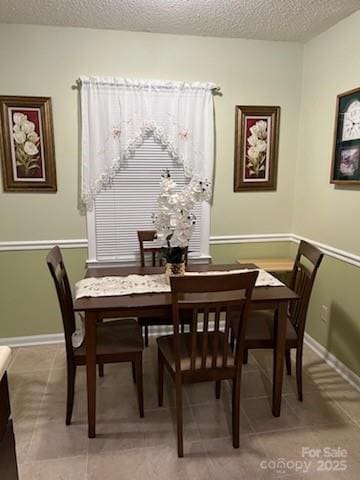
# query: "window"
{"points": [[126, 206]]}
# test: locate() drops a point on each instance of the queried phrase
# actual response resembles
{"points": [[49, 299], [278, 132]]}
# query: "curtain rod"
{"points": [[215, 90]]}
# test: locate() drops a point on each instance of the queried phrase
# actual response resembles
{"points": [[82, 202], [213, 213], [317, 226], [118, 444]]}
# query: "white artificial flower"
{"points": [[173, 220], [261, 146], [30, 148], [19, 137], [253, 153], [28, 126], [19, 118], [259, 130], [33, 137], [252, 140]]}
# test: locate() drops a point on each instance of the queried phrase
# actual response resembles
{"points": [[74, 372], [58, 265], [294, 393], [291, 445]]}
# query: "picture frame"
{"points": [[345, 164], [27, 144], [256, 147]]}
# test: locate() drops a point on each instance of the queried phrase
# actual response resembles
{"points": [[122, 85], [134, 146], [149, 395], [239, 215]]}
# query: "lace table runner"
{"points": [[132, 284]]}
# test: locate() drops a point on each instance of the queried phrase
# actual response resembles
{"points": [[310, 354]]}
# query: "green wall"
{"points": [[28, 304]]}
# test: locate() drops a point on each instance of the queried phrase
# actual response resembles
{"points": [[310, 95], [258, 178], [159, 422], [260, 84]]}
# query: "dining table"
{"points": [[94, 309]]}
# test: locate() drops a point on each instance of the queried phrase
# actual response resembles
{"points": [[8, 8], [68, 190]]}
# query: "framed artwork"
{"points": [[27, 144], [256, 147], [345, 165]]}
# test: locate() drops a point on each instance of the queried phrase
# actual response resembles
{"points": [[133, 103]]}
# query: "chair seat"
{"points": [[260, 328], [115, 337], [166, 345]]}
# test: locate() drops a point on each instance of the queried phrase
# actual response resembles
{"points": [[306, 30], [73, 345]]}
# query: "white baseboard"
{"points": [[333, 362], [32, 340]]}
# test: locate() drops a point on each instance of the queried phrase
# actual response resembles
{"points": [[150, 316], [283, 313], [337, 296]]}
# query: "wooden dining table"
{"points": [[159, 304]]}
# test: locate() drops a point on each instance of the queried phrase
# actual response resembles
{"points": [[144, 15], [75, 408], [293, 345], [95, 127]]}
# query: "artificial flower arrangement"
{"points": [[174, 220]]}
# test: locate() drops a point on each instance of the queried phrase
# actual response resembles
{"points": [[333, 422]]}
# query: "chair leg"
{"points": [[179, 418], [288, 361], [133, 368], [160, 378], [245, 356], [71, 374], [139, 383], [236, 413], [101, 369], [299, 373], [218, 389], [146, 327]]}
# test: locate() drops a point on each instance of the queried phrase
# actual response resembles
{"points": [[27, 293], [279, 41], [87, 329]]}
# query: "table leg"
{"points": [[90, 332], [279, 358]]}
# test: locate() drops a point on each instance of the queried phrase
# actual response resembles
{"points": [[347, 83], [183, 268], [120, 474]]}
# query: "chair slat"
{"points": [[204, 335], [216, 337], [193, 330], [226, 334]]}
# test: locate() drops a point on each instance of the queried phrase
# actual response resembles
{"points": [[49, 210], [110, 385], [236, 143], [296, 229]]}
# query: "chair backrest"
{"points": [[151, 251], [211, 299], [306, 265], [57, 269]]}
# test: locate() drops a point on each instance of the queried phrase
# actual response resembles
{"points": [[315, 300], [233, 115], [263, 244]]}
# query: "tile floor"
{"points": [[128, 447]]}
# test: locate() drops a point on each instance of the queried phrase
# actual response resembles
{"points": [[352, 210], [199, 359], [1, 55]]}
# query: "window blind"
{"points": [[126, 206]]}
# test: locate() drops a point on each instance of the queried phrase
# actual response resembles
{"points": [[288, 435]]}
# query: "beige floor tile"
{"points": [[326, 378], [27, 382], [255, 384], [117, 435], [234, 464], [160, 427], [117, 401], [151, 391], [349, 401], [129, 447], [215, 420], [204, 392], [65, 469], [53, 440], [128, 465], [31, 359], [164, 463], [345, 436], [23, 436], [263, 357], [26, 400], [317, 408], [289, 381], [258, 411], [285, 452]]}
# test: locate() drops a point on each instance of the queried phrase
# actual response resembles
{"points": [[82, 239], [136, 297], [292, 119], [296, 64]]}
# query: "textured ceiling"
{"points": [[296, 20]]}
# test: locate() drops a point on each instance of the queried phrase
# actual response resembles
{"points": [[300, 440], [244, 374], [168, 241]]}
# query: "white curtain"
{"points": [[118, 114]]}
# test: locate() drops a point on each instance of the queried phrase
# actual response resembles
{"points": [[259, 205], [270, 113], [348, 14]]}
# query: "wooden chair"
{"points": [[117, 341], [205, 354], [262, 324], [149, 249]]}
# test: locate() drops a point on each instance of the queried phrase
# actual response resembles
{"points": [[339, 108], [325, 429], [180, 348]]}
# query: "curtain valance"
{"points": [[118, 114]]}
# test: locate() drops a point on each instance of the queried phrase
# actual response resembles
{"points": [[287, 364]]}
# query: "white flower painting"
{"points": [[256, 147], [26, 146], [27, 143], [257, 150]]}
